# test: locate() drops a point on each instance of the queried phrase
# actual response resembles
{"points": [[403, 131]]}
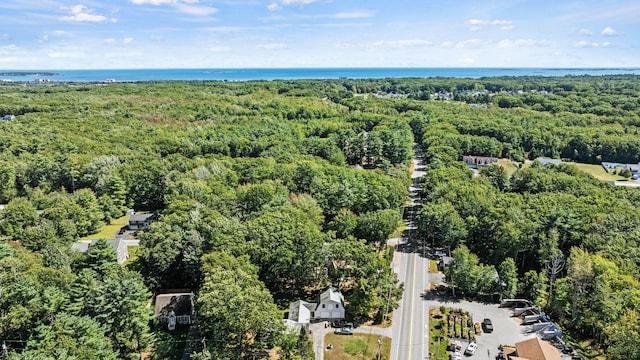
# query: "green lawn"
{"points": [[598, 172], [109, 231], [508, 166], [356, 347]]}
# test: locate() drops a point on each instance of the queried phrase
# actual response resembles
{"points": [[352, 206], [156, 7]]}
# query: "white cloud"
{"points": [[4, 36], [128, 40], [609, 31], [81, 13], [585, 32], [508, 43], [353, 15], [586, 44], [196, 10], [275, 46], [153, 2], [501, 22], [59, 33], [345, 45], [447, 44], [478, 24], [184, 6], [298, 2], [219, 49], [471, 43], [110, 40], [606, 44], [7, 60], [403, 43], [66, 54], [273, 7], [468, 61], [226, 29], [116, 55]]}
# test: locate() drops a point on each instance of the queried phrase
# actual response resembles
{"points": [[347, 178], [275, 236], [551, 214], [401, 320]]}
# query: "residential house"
{"points": [[301, 311], [329, 305], [121, 247], [545, 161], [141, 221], [475, 162], [533, 349], [175, 308]]}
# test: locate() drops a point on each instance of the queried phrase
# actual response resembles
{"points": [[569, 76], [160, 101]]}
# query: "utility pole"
{"points": [[379, 346]]}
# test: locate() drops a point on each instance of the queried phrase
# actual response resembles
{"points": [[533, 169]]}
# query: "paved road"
{"points": [[410, 326]]}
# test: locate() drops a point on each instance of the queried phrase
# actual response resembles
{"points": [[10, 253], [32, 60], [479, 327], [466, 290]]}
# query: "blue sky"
{"points": [[94, 34]]}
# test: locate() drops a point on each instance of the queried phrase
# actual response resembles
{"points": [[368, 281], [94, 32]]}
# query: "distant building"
{"points": [[121, 247], [141, 221], [545, 161], [475, 162], [8, 118]]}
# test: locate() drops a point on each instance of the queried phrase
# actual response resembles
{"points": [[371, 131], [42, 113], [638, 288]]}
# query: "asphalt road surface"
{"points": [[410, 325]]}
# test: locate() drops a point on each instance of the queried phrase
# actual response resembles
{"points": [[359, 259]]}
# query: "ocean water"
{"points": [[129, 75]]}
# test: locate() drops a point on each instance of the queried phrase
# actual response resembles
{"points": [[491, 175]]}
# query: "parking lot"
{"points": [[506, 329]]}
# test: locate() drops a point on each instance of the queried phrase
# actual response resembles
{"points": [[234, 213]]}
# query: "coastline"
{"points": [[248, 74]]}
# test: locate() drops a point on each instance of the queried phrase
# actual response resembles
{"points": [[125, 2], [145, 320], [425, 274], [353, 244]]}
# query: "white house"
{"points": [[329, 305], [301, 311]]}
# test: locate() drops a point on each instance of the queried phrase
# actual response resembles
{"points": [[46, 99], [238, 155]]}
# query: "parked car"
{"points": [[344, 331], [455, 356], [501, 356], [342, 323], [487, 325], [471, 349]]}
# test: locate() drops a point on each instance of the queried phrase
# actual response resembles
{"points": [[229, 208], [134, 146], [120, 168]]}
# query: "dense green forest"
{"points": [[263, 186]]}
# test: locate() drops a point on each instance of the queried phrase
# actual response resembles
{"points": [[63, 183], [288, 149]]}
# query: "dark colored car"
{"points": [[343, 331], [487, 325]]}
